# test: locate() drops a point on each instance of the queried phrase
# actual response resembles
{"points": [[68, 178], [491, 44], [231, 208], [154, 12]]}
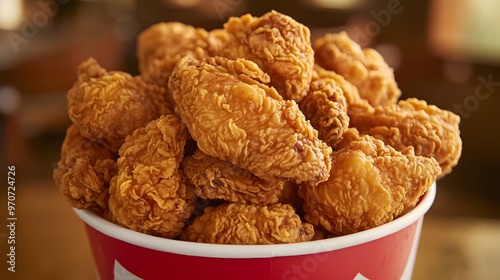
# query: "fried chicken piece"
{"points": [[233, 115], [364, 68], [217, 179], [108, 106], [279, 45], [246, 224], [84, 171], [370, 184], [433, 132], [150, 194], [162, 45], [325, 105], [168, 42]]}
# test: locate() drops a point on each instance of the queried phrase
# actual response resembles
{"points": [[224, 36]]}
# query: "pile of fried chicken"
{"points": [[281, 139]]}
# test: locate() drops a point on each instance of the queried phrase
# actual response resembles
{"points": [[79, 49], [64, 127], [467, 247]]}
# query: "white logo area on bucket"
{"points": [[360, 276], [121, 273]]}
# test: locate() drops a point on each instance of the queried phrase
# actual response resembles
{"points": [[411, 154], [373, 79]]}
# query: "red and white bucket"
{"points": [[384, 252]]}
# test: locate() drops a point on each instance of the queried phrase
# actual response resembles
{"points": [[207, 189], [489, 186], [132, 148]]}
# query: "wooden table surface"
{"points": [[51, 242]]}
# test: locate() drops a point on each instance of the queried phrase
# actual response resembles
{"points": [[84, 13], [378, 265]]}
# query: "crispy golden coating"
{"points": [[150, 194], [431, 131], [169, 42], [351, 134], [370, 184], [157, 73], [290, 195], [325, 105], [108, 106], [245, 224], [217, 179], [84, 171], [234, 116], [353, 100], [162, 45], [278, 44], [364, 68]]}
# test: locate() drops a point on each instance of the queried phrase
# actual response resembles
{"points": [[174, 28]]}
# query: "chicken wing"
{"points": [[84, 171], [150, 194], [108, 106], [370, 184], [246, 224], [234, 116], [364, 68]]}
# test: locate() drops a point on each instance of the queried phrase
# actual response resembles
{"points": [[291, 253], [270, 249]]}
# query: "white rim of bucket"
{"points": [[256, 251]]}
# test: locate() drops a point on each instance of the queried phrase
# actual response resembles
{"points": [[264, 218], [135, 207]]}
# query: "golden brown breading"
{"points": [[108, 106], [433, 132], [370, 184], [277, 43], [169, 42], [351, 134], [245, 224], [84, 171], [162, 45], [150, 194], [325, 105], [353, 100], [364, 68], [234, 116], [290, 195], [157, 73], [217, 179]]}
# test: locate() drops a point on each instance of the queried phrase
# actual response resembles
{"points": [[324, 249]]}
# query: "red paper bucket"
{"points": [[384, 252]]}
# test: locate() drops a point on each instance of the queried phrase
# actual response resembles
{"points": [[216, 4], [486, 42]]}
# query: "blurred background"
{"points": [[446, 52]]}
